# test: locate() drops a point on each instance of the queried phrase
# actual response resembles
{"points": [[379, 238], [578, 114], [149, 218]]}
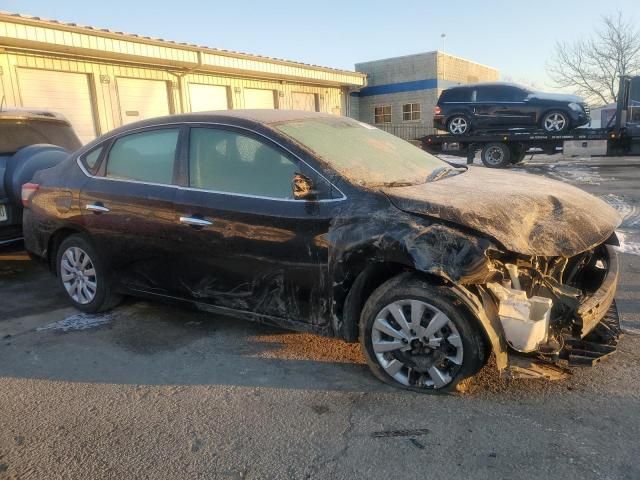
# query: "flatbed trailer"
{"points": [[500, 149]]}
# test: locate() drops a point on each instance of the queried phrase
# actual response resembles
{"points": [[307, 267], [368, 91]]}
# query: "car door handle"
{"points": [[195, 222], [97, 208]]}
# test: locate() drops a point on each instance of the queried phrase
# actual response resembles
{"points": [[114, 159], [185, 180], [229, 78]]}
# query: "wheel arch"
{"points": [[550, 109], [438, 253], [54, 242]]}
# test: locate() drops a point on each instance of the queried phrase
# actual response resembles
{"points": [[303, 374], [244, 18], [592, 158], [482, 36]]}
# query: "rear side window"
{"points": [[90, 160], [456, 95], [500, 94], [226, 161], [146, 157]]}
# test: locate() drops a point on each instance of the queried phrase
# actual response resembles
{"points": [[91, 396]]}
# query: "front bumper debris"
{"points": [[601, 342], [596, 307]]}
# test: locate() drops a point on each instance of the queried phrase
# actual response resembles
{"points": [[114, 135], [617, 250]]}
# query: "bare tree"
{"points": [[592, 66]]}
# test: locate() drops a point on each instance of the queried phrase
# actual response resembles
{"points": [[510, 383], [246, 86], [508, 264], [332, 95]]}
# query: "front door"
{"points": [[128, 209], [246, 244]]}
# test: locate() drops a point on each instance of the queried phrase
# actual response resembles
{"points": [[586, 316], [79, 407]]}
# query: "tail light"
{"points": [[437, 110], [28, 190]]}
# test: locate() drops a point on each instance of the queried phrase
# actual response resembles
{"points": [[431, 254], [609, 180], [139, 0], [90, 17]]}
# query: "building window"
{"points": [[382, 114], [410, 111]]}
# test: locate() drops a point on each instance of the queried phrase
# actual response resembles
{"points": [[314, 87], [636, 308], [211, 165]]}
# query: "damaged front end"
{"points": [[553, 312]]}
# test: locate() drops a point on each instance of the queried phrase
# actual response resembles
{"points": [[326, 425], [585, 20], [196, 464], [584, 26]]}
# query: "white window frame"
{"points": [[383, 114]]}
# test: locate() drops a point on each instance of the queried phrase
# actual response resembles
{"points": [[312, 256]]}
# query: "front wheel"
{"points": [[555, 122], [83, 276], [413, 336]]}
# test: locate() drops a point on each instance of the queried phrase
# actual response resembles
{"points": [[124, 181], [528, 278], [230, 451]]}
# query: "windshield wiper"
{"points": [[444, 172]]}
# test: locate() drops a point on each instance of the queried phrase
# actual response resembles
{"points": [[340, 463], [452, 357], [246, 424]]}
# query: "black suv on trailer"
{"points": [[463, 109]]}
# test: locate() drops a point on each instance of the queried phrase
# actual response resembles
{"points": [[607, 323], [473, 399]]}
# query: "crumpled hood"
{"points": [[526, 213]]}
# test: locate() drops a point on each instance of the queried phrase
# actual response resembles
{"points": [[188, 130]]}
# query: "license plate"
{"points": [[3, 213]]}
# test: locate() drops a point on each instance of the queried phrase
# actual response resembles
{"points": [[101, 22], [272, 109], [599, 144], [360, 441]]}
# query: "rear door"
{"points": [[246, 244], [503, 106], [128, 206]]}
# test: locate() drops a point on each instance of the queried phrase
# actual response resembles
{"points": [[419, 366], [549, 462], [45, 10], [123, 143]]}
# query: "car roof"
{"points": [[487, 84], [31, 114]]}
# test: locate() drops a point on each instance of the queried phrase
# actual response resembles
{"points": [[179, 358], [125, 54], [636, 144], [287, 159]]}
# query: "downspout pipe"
{"points": [[180, 79]]}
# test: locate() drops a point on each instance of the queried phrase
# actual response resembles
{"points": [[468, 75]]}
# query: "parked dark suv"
{"points": [[461, 110]]}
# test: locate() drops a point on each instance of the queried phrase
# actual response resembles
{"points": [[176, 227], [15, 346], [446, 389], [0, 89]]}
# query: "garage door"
{"points": [[140, 99], [304, 101], [63, 92], [205, 98], [258, 98]]}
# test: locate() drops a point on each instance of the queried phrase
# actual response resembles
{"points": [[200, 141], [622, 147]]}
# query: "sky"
{"points": [[514, 36]]}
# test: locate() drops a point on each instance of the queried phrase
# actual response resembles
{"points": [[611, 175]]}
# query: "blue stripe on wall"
{"points": [[399, 87], [404, 87]]}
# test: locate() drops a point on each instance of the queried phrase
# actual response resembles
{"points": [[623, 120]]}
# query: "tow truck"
{"points": [[500, 149]]}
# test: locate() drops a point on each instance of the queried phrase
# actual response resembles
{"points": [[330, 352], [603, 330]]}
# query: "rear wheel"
{"points": [[555, 122], [83, 276], [414, 338], [496, 155], [459, 125]]}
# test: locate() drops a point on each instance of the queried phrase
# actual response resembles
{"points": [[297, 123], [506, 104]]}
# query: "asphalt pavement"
{"points": [[150, 391]]}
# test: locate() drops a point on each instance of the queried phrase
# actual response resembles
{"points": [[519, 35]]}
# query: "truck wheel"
{"points": [[414, 337], [555, 121], [459, 125], [496, 155], [83, 276]]}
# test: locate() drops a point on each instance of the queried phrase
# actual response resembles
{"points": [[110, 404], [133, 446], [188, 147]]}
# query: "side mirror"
{"points": [[303, 188]]}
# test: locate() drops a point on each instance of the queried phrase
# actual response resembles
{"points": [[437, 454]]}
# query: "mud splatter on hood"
{"points": [[525, 213]]}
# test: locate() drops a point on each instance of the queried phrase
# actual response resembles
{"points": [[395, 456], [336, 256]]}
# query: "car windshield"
{"points": [[362, 153]]}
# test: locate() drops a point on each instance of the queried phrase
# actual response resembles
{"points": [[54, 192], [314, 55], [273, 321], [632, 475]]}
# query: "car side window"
{"points": [[227, 161], [90, 160], [146, 157], [500, 94], [457, 95]]}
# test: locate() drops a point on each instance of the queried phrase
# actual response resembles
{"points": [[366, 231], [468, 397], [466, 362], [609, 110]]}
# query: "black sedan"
{"points": [[321, 223], [499, 106]]}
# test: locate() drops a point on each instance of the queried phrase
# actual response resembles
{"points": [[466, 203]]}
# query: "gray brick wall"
{"points": [[399, 69]]}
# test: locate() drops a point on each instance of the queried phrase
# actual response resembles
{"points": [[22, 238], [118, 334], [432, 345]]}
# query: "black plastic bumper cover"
{"points": [[601, 342]]}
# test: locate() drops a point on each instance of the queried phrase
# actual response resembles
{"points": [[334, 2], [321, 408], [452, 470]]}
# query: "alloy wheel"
{"points": [[555, 122], [417, 344], [78, 275], [458, 125]]}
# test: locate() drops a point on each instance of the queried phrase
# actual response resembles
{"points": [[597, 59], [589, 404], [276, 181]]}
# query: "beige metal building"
{"points": [[101, 79]]}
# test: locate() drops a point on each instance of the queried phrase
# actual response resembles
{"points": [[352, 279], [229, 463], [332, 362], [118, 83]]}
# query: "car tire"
{"points": [[83, 276], [496, 155], [454, 351], [555, 121], [459, 125]]}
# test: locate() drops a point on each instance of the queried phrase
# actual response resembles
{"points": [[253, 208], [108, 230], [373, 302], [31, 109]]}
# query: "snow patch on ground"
{"points": [[630, 213], [628, 243], [80, 321]]}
